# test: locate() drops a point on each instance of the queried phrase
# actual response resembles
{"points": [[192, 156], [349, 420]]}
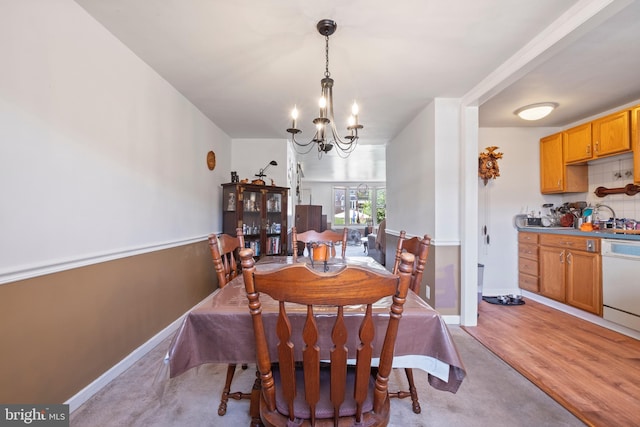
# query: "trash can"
{"points": [[480, 276]]}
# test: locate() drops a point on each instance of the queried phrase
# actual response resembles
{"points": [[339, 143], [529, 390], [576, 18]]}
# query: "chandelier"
{"points": [[326, 136]]}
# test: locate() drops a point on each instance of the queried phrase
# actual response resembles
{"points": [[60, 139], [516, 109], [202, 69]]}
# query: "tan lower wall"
{"points": [[59, 332], [441, 275]]}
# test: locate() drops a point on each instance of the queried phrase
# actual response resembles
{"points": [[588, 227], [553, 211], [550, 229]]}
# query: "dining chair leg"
{"points": [[226, 391], [413, 391], [254, 406]]}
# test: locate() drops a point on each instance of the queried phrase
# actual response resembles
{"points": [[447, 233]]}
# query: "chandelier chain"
{"points": [[326, 50]]}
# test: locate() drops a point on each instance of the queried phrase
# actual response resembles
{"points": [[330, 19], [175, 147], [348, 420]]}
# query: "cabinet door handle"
{"points": [[569, 257], [588, 147], [562, 257], [596, 148], [558, 183]]}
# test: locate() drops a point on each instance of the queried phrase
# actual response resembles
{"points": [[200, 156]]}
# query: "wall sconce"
{"points": [[536, 111]]}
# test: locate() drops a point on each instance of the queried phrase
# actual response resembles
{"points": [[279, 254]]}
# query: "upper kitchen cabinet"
{"points": [[602, 137], [577, 145], [612, 134], [555, 175], [635, 142]]}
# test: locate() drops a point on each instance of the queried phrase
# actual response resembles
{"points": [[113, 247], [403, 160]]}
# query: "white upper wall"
{"points": [[248, 156], [446, 172], [516, 190], [410, 177], [423, 174], [99, 156]]}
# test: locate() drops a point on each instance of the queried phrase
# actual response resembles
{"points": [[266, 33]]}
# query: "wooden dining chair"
{"points": [[301, 389], [420, 249], [224, 252], [312, 236]]}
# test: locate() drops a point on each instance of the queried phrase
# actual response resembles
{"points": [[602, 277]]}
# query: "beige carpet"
{"points": [[493, 394]]}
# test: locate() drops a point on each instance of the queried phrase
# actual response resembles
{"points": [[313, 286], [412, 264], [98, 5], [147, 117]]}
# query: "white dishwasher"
{"points": [[621, 282]]}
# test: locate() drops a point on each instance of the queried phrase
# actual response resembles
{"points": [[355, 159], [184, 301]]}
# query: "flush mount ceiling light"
{"points": [[535, 111], [326, 136]]}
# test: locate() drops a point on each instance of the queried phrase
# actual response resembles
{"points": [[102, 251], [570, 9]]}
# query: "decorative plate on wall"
{"points": [[211, 160]]}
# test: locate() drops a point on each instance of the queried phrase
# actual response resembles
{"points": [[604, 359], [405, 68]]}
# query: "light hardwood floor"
{"points": [[590, 370]]}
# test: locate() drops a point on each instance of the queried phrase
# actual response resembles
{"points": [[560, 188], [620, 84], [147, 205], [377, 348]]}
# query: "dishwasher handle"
{"points": [[621, 248]]}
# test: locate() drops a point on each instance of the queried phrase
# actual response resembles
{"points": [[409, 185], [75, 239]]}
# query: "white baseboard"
{"points": [[501, 291], [90, 390], [451, 319], [582, 314]]}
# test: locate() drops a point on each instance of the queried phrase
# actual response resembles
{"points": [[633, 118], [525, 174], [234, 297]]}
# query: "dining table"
{"points": [[220, 330]]}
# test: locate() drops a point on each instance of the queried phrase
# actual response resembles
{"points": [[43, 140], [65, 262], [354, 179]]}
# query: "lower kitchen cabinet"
{"points": [[570, 271], [528, 261], [584, 281], [552, 272]]}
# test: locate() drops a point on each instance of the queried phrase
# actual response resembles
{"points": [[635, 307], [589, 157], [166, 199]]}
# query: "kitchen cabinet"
{"points": [[528, 261], [635, 142], [555, 175], [552, 273], [584, 281], [606, 136], [261, 212], [570, 271], [612, 134], [578, 144]]}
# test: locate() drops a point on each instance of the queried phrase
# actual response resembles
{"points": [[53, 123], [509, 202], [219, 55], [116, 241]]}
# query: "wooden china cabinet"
{"points": [[261, 212]]}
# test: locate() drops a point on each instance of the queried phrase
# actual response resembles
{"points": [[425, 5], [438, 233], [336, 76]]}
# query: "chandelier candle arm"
{"points": [[325, 139]]}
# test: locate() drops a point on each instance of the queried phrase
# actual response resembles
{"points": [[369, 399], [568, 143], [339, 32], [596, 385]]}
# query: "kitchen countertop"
{"points": [[608, 233]]}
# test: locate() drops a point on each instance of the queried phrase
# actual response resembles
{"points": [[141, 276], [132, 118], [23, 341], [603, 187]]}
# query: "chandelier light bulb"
{"points": [[351, 121], [354, 109], [322, 102], [294, 116]]}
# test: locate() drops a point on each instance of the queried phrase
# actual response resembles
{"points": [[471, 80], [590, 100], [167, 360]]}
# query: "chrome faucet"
{"points": [[613, 213]]}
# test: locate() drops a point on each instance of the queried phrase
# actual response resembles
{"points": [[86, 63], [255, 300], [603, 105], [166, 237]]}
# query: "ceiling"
{"points": [[246, 63]]}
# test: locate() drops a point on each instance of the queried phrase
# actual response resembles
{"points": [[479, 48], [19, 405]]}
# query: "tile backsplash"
{"points": [[614, 172]]}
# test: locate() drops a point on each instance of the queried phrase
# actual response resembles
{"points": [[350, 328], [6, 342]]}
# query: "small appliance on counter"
{"points": [[550, 219]]}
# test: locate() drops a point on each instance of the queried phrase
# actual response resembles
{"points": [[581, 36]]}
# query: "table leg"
{"points": [[254, 406]]}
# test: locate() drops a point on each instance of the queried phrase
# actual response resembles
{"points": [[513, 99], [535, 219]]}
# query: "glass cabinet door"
{"points": [[251, 220], [273, 226]]}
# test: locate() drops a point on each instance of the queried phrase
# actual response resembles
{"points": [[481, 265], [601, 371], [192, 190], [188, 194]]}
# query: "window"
{"points": [[361, 205]]}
